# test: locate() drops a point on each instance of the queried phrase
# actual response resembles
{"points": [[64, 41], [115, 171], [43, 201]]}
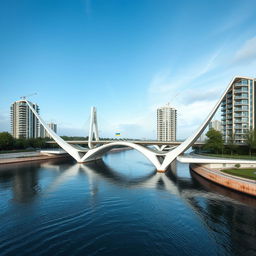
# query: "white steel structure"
{"points": [[24, 124], [161, 160], [166, 123], [238, 109]]}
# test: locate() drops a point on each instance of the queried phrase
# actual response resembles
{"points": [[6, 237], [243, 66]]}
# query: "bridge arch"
{"points": [[96, 153]]}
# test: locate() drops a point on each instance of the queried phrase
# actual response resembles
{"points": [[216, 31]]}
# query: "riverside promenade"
{"points": [[18, 157], [233, 182]]}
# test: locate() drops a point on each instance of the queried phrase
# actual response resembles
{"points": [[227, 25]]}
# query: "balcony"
{"points": [[241, 115], [242, 97], [239, 103], [241, 83]]}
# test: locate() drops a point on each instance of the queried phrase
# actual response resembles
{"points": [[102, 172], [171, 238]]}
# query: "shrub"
{"points": [[237, 165]]}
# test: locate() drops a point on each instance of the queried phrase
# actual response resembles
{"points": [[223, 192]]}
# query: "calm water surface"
{"points": [[120, 206]]}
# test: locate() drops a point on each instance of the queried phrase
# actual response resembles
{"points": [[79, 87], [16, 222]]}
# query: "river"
{"points": [[120, 206]]}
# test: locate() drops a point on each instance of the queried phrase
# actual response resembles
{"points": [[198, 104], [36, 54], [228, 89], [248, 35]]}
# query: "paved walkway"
{"points": [[19, 154], [195, 158]]}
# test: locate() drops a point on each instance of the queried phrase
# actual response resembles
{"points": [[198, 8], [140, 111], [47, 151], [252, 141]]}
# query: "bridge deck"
{"points": [[141, 142]]}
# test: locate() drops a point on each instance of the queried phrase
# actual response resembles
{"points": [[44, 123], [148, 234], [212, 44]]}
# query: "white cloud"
{"points": [[247, 53], [166, 85]]}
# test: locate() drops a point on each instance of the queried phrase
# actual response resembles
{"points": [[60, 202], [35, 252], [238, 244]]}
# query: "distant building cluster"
{"points": [[44, 133], [216, 125], [166, 123], [24, 124]]}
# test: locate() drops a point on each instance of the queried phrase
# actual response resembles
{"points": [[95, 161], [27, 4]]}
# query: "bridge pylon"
{"points": [[93, 130]]}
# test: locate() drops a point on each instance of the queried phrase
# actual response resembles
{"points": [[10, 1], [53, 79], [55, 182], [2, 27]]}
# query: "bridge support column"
{"points": [[161, 171]]}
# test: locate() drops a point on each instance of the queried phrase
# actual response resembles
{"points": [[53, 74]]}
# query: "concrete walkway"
{"points": [[19, 154]]}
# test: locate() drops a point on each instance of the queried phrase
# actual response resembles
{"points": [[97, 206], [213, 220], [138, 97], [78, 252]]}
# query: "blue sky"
{"points": [[126, 57]]}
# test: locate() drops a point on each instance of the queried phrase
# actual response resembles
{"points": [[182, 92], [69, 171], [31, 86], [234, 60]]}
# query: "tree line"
{"points": [[215, 143], [8, 142]]}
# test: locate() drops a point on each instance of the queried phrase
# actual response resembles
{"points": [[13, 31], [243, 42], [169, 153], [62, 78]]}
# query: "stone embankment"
{"points": [[236, 183]]}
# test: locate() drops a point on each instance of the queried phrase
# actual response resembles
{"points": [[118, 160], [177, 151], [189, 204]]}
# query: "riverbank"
{"points": [[235, 183], [19, 157], [37, 157]]}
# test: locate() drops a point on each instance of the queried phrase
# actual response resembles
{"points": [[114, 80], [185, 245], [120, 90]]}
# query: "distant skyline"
{"points": [[124, 57]]}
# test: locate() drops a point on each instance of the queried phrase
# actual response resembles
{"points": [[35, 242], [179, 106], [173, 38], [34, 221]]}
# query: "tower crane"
{"points": [[26, 96]]}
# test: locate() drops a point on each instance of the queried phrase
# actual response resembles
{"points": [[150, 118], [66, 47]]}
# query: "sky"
{"points": [[125, 57]]}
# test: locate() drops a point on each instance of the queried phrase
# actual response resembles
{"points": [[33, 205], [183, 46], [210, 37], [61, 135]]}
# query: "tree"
{"points": [[6, 141], [21, 143], [214, 143], [231, 145], [250, 139]]}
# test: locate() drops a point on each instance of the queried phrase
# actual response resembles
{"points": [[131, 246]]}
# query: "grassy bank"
{"points": [[246, 157], [244, 173]]}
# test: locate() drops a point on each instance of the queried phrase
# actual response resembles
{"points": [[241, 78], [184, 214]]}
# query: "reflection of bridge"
{"points": [[159, 158]]}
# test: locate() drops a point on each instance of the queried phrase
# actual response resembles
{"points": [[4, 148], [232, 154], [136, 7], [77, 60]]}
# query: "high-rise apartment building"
{"points": [[238, 110], [216, 125], [166, 123], [24, 124], [45, 134]]}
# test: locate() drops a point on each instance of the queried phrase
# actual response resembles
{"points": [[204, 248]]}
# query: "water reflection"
{"points": [[23, 178], [229, 217], [236, 222]]}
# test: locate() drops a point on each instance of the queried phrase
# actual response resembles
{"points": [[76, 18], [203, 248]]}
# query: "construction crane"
{"points": [[26, 96]]}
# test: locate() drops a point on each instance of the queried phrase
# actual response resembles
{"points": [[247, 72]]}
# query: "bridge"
{"points": [[96, 148]]}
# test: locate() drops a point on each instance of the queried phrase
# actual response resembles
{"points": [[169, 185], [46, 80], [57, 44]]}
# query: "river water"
{"points": [[120, 206]]}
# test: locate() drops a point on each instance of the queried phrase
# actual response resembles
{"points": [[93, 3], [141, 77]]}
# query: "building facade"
{"points": [[24, 124], [45, 134], [238, 110], [216, 125], [166, 123]]}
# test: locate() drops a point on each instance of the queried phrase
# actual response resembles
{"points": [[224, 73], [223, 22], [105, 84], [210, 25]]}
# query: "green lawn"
{"points": [[244, 173], [248, 157]]}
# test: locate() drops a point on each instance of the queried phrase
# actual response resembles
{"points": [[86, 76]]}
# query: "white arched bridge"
{"points": [[160, 159]]}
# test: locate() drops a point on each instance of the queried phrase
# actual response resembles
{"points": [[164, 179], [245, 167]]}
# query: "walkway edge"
{"points": [[229, 181]]}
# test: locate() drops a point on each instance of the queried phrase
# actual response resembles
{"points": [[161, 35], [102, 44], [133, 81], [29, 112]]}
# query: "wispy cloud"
{"points": [[187, 93], [166, 85], [247, 53], [236, 17]]}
